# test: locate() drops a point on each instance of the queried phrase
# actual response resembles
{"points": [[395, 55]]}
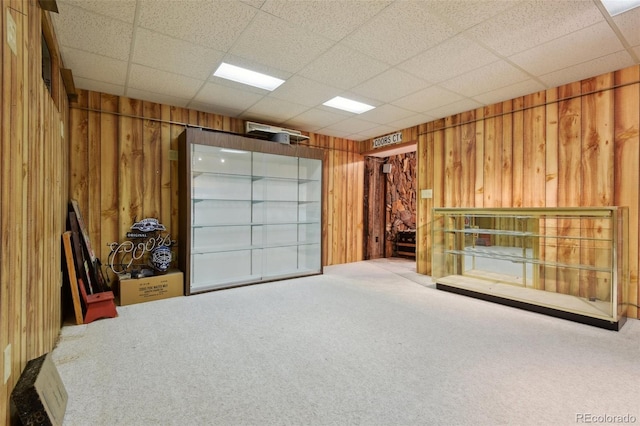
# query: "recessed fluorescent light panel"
{"points": [[616, 7], [245, 76], [348, 105]]}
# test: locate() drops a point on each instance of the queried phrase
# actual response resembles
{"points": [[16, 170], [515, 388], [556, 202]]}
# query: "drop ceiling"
{"points": [[415, 61]]}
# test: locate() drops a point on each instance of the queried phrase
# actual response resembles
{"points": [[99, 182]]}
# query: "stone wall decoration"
{"points": [[400, 197]]}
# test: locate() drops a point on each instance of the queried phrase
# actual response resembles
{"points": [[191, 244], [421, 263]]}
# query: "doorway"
{"points": [[390, 203]]}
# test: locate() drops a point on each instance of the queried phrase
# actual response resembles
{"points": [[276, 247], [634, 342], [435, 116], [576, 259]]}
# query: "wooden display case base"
{"points": [[441, 284]]}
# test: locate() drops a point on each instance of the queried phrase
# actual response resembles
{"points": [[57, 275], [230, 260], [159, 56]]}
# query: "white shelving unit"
{"points": [[250, 210]]}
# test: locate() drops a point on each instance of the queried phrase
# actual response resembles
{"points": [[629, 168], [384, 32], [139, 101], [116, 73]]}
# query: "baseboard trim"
{"points": [[571, 316]]}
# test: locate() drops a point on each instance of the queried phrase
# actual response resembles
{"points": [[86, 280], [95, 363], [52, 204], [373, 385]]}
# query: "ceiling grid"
{"points": [[413, 60]]}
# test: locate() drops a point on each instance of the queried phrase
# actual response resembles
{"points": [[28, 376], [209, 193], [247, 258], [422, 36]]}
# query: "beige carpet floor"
{"points": [[367, 343]]}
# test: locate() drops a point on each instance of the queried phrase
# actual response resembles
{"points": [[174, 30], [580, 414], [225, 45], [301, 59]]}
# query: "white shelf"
{"points": [[217, 225]]}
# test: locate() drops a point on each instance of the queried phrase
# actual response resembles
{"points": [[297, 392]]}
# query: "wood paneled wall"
{"points": [[33, 176], [122, 169], [574, 145], [343, 199]]}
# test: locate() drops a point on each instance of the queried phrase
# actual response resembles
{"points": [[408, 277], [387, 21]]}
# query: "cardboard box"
{"points": [[39, 397], [138, 290]]}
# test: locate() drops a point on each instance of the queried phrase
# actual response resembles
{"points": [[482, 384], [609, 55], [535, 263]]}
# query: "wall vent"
{"points": [[274, 133]]}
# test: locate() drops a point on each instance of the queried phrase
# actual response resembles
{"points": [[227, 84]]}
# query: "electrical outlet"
{"points": [[426, 193], [11, 33], [7, 363]]}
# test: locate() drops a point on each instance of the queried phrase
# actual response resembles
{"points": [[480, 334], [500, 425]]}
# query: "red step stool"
{"points": [[99, 305]]}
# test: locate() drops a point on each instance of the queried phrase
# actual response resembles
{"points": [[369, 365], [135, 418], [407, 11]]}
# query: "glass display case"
{"points": [[250, 210], [566, 262]]}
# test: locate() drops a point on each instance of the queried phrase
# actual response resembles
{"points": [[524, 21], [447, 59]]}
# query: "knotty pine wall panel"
{"points": [[627, 159], [468, 157], [122, 171], [534, 151], [477, 124], [597, 175], [492, 172], [574, 145], [33, 179], [343, 199], [506, 160], [105, 220], [517, 149]]}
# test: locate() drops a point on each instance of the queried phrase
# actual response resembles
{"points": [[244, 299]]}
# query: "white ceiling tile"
{"points": [[99, 34], [165, 53], [124, 10], [159, 98], [229, 97], [214, 109], [509, 92], [156, 81], [454, 108], [373, 132], [331, 19], [589, 69], [492, 76], [314, 119], [277, 43], [215, 25], [98, 86], [254, 3], [383, 114], [274, 110], [465, 14], [382, 39], [95, 67], [629, 24], [389, 85], [300, 125], [343, 68], [428, 98], [448, 59], [578, 47], [304, 91], [535, 22], [328, 131], [353, 125], [410, 121]]}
